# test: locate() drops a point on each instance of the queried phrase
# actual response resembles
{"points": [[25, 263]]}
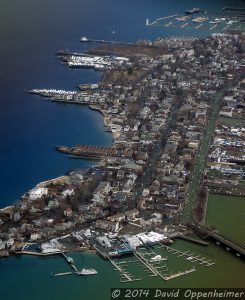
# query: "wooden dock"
{"points": [[178, 274], [121, 268], [213, 27], [63, 274], [70, 261], [191, 257]]}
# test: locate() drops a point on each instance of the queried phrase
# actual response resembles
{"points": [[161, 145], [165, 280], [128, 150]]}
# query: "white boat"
{"points": [[232, 22], [190, 258], [86, 272], [157, 258]]}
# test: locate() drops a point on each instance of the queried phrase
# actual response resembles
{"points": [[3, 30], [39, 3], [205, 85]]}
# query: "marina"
{"points": [[71, 263], [221, 21], [189, 256]]}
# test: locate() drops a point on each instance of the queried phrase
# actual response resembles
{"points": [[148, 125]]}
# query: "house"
{"points": [[68, 212], [15, 216], [132, 214], [52, 204], [37, 193], [67, 193], [103, 241], [10, 242], [106, 225], [116, 218], [35, 236], [120, 196]]}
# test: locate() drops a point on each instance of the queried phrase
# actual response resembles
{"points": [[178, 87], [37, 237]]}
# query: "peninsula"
{"points": [[176, 111]]}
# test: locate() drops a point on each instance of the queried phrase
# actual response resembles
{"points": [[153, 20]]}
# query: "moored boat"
{"points": [[86, 272]]}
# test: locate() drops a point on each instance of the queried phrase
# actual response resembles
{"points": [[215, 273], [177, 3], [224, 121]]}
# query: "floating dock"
{"points": [[178, 274], [63, 274], [192, 257], [121, 268]]}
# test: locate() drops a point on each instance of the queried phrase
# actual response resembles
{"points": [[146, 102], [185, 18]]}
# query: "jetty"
{"points": [[88, 151], [84, 39]]}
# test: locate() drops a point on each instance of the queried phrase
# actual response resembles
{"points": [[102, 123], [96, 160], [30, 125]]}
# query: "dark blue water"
{"points": [[30, 33]]}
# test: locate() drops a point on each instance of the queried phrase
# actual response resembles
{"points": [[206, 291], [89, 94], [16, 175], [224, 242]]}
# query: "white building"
{"points": [[37, 193]]}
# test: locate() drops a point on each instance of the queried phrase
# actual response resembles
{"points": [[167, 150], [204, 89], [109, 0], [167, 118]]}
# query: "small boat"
{"points": [[157, 258], [86, 272], [193, 10], [70, 260]]}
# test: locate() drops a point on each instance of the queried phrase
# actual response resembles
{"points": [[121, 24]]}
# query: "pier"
{"points": [[153, 271], [213, 27], [154, 23], [178, 274], [192, 257], [121, 268], [89, 151], [157, 270], [84, 39], [184, 25], [220, 239], [193, 240], [63, 274], [170, 23], [70, 261]]}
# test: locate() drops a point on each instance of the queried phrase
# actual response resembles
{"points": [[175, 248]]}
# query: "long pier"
{"points": [[87, 40], [178, 274], [88, 151]]}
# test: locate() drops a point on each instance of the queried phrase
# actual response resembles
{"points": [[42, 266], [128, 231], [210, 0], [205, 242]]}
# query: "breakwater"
{"points": [[89, 151]]}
